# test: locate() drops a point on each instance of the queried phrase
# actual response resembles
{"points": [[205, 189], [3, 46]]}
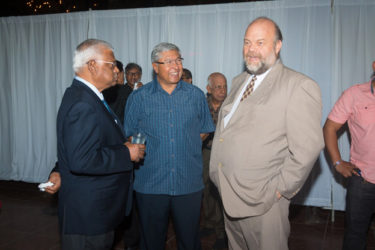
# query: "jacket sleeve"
{"points": [[304, 135], [87, 151]]}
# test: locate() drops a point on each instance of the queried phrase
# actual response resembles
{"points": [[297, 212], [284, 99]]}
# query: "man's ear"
{"points": [[91, 65], [155, 67], [278, 46], [208, 89]]}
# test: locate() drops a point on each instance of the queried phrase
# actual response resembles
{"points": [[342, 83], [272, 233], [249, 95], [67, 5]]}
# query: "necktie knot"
{"points": [[249, 88]]}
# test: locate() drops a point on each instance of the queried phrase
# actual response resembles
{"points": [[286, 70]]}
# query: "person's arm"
{"points": [[304, 136], [207, 124], [85, 149], [204, 136], [55, 178], [345, 168]]}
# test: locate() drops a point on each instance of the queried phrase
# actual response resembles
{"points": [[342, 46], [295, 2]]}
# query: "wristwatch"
{"points": [[337, 163]]}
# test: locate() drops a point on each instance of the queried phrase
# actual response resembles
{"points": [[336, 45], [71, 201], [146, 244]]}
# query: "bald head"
{"points": [[214, 76], [217, 87], [277, 32], [262, 45]]}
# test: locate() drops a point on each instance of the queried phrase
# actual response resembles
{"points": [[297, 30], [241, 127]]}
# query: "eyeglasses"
{"points": [[169, 62], [113, 64]]}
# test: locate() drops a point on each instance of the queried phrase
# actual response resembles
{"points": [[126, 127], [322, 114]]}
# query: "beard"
{"points": [[262, 66]]}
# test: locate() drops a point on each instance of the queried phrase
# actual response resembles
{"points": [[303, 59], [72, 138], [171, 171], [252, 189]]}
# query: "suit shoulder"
{"points": [[296, 76], [75, 97]]}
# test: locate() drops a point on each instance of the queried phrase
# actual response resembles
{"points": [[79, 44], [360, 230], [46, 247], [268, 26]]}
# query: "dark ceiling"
{"points": [[38, 7]]}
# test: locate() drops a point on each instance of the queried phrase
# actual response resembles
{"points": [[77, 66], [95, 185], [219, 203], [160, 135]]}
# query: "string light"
{"points": [[55, 6]]}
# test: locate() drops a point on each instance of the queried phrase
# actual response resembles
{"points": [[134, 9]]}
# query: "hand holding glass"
{"points": [[139, 138]]}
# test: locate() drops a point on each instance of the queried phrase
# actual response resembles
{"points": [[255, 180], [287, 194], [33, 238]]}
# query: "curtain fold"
{"points": [[334, 46]]}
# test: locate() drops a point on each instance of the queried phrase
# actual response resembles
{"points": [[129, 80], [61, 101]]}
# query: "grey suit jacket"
{"points": [[270, 144]]}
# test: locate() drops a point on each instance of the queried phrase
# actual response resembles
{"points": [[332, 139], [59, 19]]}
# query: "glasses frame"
{"points": [[177, 61], [114, 65]]}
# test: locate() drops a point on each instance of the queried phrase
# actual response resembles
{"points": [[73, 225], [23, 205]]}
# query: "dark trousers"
{"points": [[131, 228], [87, 242], [360, 205], [212, 205], [154, 211], [128, 230]]}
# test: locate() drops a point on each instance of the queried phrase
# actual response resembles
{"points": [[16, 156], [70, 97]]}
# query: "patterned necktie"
{"points": [[249, 88]]}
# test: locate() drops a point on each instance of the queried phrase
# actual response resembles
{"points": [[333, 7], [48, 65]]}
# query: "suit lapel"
{"points": [[99, 102], [236, 88], [263, 90]]}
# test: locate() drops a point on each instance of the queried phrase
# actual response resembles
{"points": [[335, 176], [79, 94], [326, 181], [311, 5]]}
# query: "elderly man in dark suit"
{"points": [[94, 157], [267, 139]]}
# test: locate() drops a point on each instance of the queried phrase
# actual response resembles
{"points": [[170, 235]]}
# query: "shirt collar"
{"points": [[91, 86], [157, 87]]}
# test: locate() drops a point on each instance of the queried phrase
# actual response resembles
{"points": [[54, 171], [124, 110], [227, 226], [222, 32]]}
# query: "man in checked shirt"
{"points": [[174, 116]]}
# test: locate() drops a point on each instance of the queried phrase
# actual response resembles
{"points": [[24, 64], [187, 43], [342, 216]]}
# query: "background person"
{"points": [[356, 106], [118, 94], [187, 76], [212, 206]]}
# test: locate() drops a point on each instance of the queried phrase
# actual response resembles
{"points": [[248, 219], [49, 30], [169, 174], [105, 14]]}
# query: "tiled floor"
{"points": [[28, 221]]}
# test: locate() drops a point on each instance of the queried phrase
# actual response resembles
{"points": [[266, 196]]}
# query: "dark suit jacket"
{"points": [[116, 97], [95, 166]]}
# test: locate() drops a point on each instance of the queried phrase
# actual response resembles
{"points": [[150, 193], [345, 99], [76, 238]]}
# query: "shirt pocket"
{"points": [[366, 114]]}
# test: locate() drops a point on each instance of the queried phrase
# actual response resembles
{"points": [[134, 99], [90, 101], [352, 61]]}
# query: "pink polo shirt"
{"points": [[357, 106]]}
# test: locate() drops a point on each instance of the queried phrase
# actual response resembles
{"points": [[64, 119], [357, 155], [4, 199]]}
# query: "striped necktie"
{"points": [[249, 88]]}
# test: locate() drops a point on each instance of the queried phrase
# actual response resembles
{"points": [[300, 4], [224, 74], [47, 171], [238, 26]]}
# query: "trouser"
{"points": [[131, 228], [269, 231], [154, 211], [360, 205], [87, 242]]}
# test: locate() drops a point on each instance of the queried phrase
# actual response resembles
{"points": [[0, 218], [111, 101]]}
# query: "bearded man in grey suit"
{"points": [[267, 140]]}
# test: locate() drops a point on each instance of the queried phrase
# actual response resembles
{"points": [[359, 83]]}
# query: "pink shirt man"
{"points": [[357, 106]]}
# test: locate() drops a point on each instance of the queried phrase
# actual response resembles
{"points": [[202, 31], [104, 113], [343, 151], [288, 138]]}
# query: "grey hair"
{"points": [[213, 75], [162, 47], [87, 50]]}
